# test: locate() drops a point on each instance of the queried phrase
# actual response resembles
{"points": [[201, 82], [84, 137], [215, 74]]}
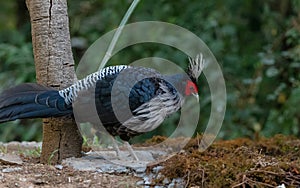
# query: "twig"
{"points": [[260, 183], [188, 179], [242, 183], [202, 181], [266, 172], [250, 181]]}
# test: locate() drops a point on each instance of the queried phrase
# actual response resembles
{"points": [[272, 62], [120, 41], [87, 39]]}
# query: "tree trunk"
{"points": [[54, 67]]}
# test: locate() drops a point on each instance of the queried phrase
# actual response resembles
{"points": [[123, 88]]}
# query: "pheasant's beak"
{"points": [[196, 96]]}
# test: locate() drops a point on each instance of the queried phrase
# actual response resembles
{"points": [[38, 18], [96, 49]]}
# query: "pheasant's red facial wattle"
{"points": [[190, 88]]}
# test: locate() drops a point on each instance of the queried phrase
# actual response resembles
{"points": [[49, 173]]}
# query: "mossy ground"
{"points": [[237, 163]]}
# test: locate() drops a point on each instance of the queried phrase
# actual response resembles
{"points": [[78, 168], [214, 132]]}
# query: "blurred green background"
{"points": [[257, 44]]}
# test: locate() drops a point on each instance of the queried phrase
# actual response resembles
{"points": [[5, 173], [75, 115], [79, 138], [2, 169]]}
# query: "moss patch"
{"points": [[238, 163]]}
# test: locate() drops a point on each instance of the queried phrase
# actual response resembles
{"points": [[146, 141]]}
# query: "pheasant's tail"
{"points": [[31, 101]]}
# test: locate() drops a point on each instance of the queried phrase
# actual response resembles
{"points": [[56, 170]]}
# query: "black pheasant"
{"points": [[129, 100]]}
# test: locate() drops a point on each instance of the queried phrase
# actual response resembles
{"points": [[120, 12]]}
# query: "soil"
{"points": [[236, 163], [37, 175]]}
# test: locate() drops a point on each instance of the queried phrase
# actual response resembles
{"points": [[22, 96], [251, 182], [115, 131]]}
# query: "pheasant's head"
{"points": [[195, 68], [186, 83], [191, 88]]}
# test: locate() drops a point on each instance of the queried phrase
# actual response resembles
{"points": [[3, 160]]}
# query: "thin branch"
{"points": [[242, 183], [203, 180], [266, 172], [117, 34], [259, 183], [188, 179]]}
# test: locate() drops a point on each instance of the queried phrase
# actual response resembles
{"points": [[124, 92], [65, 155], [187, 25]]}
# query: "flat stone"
{"points": [[10, 159], [7, 170], [60, 167], [107, 161]]}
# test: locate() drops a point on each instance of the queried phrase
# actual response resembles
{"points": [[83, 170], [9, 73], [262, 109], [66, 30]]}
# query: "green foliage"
{"points": [[34, 153], [257, 44], [16, 66]]}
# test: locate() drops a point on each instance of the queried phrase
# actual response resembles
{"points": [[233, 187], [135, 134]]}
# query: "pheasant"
{"points": [[142, 96]]}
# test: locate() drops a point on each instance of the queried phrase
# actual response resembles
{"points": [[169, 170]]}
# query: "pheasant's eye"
{"points": [[192, 88]]}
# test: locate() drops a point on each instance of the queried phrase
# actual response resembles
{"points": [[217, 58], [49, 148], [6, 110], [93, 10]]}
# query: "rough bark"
{"points": [[54, 67]]}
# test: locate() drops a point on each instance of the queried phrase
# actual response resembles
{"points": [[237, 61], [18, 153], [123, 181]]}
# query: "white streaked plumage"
{"points": [[70, 93], [151, 114]]}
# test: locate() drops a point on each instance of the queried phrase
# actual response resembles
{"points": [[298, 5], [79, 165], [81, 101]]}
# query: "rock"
{"points": [[140, 183], [10, 159], [106, 161], [166, 181], [140, 170], [178, 180], [157, 169], [60, 167], [7, 170], [171, 185], [147, 180], [281, 186]]}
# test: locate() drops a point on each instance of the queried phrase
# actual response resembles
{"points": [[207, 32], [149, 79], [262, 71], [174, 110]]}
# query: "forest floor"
{"points": [[272, 162]]}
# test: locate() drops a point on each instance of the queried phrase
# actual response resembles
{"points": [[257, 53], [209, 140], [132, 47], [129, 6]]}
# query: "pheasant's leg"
{"points": [[131, 151], [116, 146]]}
